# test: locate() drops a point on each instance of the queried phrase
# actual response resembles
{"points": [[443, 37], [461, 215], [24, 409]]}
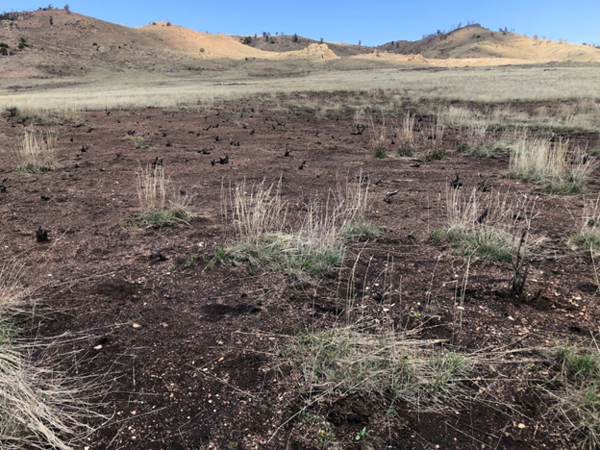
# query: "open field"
{"points": [[364, 258], [492, 85]]}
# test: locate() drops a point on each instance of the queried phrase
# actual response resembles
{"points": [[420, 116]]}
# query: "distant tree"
{"points": [[168, 24], [67, 9], [359, 42], [247, 40], [321, 41], [295, 38], [51, 21]]}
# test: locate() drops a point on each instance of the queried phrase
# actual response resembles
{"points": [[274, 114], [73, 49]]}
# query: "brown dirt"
{"points": [[190, 355]]}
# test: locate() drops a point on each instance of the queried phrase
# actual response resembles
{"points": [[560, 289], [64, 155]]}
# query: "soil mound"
{"points": [[314, 51]]}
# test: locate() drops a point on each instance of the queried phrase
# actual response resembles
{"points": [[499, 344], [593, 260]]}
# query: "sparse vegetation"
{"points": [[406, 136], [265, 238], [572, 395], [588, 237], [156, 210], [393, 367], [37, 152], [40, 407], [483, 225], [379, 139], [396, 332], [557, 168]]}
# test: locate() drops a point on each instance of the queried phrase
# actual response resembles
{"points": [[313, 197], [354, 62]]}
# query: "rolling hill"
{"points": [[475, 41], [51, 43]]}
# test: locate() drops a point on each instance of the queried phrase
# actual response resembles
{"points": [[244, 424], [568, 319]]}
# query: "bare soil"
{"points": [[188, 356]]}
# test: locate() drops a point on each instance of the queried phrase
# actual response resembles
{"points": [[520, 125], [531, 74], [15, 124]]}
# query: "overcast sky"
{"points": [[372, 22]]}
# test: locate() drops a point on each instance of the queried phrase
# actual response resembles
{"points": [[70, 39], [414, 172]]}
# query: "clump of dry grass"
{"points": [[392, 366], [264, 238], [258, 210], [39, 406], [49, 116], [405, 134], [476, 141], [559, 169], [434, 141], [310, 246], [588, 237], [36, 152], [571, 393], [484, 224], [159, 205], [459, 117], [379, 139]]}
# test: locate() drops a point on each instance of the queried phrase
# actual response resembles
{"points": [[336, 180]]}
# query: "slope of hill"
{"points": [[474, 41], [56, 43], [200, 44], [286, 43]]}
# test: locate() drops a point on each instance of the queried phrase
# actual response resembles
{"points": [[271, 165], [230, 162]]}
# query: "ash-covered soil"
{"points": [[187, 356]]}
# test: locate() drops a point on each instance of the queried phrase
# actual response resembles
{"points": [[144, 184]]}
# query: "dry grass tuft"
{"points": [[405, 134], [559, 169], [588, 237], [37, 152], [379, 139], [312, 247], [159, 205], [571, 393], [388, 365], [39, 407], [486, 225]]}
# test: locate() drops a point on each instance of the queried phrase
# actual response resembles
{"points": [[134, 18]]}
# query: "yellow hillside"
{"points": [[223, 46], [202, 44]]}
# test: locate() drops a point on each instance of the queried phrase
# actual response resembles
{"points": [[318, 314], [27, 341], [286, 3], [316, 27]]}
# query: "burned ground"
{"points": [[186, 353]]}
